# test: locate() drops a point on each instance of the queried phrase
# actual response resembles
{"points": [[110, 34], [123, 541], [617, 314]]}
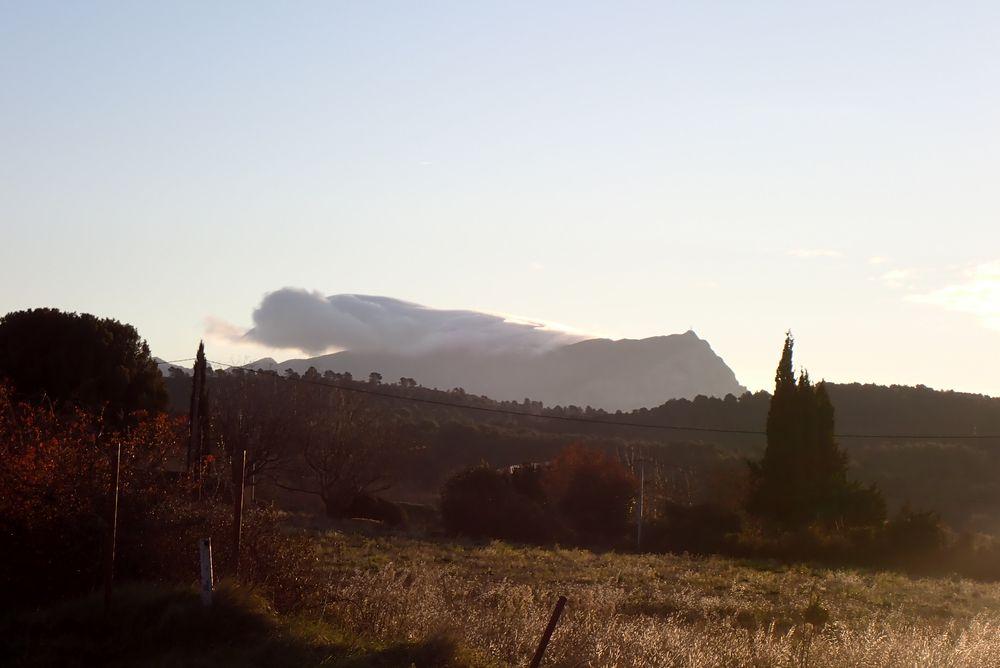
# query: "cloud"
{"points": [[216, 328], [897, 278], [314, 323], [875, 260], [807, 253], [977, 293]]}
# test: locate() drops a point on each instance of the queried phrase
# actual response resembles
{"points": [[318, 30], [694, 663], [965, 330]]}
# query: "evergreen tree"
{"points": [[199, 414], [803, 475]]}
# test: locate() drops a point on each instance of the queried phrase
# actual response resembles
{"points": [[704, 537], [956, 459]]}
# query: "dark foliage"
{"points": [[307, 440], [703, 528], [592, 491], [159, 544], [482, 502], [802, 477], [97, 362], [912, 532], [371, 507], [199, 420], [56, 482], [957, 479], [583, 496], [529, 481], [54, 510]]}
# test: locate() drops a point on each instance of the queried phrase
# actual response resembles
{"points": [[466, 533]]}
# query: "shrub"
{"points": [[529, 481], [592, 491], [371, 507], [161, 546], [484, 503], [583, 495], [915, 533], [858, 505], [56, 492], [700, 528]]}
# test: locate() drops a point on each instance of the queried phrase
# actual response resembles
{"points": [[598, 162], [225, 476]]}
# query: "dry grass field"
{"points": [[493, 600], [395, 600]]}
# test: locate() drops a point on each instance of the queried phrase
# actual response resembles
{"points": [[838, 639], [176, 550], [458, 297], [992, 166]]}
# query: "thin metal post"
{"points": [[240, 469], [536, 661], [642, 494], [109, 555], [207, 582]]}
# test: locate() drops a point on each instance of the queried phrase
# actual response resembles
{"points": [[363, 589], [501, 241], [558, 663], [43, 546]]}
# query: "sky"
{"points": [[618, 169]]}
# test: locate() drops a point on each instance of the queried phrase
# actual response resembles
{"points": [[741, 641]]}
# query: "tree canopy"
{"points": [[75, 357]]}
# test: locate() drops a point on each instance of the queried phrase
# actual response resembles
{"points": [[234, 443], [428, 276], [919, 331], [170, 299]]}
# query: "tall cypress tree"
{"points": [[803, 475], [198, 417]]}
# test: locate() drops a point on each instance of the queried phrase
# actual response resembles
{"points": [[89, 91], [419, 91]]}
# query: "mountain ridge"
{"points": [[620, 374]]}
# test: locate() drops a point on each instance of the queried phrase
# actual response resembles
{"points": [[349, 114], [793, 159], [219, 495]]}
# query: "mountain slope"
{"points": [[614, 375]]}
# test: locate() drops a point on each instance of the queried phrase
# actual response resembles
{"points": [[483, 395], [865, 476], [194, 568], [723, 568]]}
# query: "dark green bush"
{"points": [[371, 507], [484, 503], [592, 492], [700, 529], [915, 533]]}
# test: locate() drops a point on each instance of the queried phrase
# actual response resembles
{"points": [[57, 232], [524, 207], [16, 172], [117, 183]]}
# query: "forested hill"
{"points": [[957, 479], [860, 409]]}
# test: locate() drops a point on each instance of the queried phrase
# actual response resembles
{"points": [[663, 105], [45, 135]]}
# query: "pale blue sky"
{"points": [[626, 169]]}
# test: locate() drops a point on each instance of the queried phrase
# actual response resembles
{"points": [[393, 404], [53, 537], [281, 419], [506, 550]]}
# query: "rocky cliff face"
{"points": [[602, 373]]}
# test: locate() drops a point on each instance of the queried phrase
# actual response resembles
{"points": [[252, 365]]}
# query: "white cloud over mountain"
{"points": [[314, 323]]}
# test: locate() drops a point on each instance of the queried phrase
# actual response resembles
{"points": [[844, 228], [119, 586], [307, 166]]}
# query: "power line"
{"points": [[597, 421]]}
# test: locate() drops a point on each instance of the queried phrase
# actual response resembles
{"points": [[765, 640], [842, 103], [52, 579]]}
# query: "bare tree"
{"points": [[258, 413], [348, 450]]}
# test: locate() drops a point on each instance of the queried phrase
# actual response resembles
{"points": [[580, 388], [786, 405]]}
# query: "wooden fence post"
{"points": [[642, 499], [109, 555], [536, 661], [207, 583], [239, 479]]}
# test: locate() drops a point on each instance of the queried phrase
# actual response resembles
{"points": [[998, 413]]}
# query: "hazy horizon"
{"points": [[624, 171]]}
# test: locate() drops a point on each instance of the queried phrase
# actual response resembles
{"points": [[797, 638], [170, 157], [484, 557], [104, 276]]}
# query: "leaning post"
{"points": [[536, 661]]}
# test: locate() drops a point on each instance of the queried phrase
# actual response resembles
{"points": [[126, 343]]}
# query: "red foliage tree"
{"points": [[55, 479], [593, 492]]}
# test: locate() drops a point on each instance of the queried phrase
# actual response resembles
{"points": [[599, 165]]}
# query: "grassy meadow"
{"points": [[394, 599], [492, 601]]}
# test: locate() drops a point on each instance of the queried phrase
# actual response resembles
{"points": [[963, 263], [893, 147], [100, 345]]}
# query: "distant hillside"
{"points": [[953, 476], [164, 366], [860, 409], [613, 375]]}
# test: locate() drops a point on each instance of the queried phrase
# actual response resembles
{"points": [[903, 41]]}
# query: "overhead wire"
{"points": [[590, 420]]}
